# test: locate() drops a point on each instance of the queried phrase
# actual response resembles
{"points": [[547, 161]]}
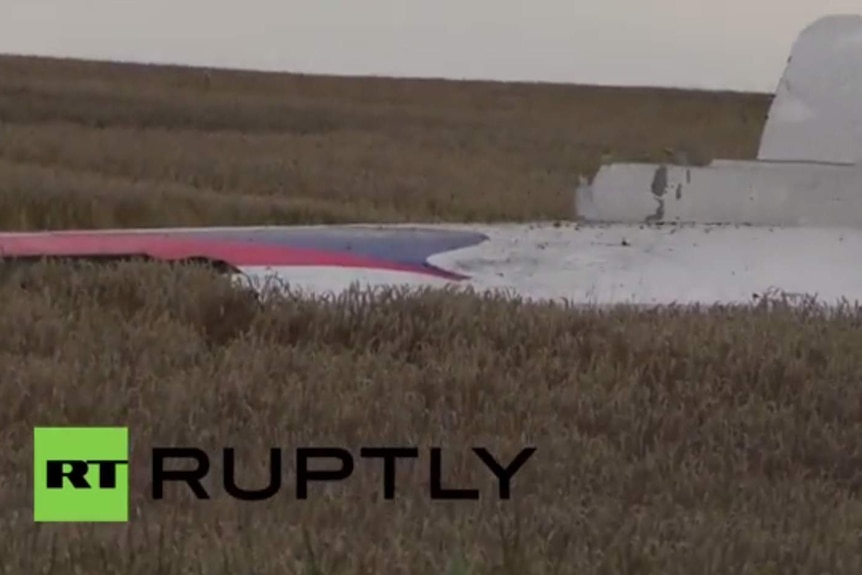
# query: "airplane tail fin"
{"points": [[816, 114]]}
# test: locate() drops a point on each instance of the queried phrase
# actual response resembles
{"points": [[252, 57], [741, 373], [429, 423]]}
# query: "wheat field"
{"points": [[678, 441]]}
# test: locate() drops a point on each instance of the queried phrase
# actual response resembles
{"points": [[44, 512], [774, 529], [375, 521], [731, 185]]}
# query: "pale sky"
{"points": [[723, 44]]}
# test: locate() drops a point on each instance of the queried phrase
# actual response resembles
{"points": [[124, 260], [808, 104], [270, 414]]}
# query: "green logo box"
{"points": [[80, 474]]}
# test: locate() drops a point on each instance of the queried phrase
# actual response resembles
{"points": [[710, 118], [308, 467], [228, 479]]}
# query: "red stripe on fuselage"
{"points": [[237, 254]]}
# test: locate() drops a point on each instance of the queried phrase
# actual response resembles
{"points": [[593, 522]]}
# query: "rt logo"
{"points": [[81, 474]]}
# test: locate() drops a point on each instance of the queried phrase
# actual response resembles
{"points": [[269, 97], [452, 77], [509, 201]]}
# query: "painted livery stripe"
{"points": [[175, 247]]}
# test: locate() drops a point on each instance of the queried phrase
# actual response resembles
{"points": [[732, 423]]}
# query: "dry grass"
{"points": [[671, 443], [675, 442], [86, 144]]}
